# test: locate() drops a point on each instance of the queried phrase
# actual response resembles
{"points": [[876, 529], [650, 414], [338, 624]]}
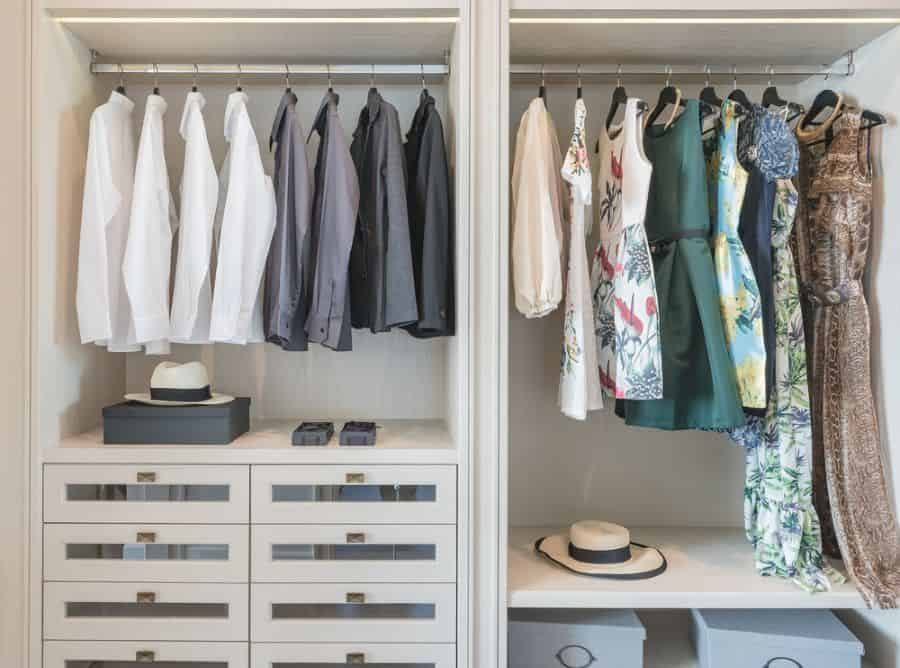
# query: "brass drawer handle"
{"points": [[355, 478], [144, 656], [356, 658], [146, 537], [146, 597], [356, 597], [356, 538], [146, 476]]}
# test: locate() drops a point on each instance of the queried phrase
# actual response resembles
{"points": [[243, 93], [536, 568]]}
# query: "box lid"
{"points": [[811, 629], [620, 620], [135, 409]]}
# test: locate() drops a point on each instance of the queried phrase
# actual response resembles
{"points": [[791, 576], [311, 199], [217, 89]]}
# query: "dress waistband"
{"points": [[823, 295], [660, 244]]}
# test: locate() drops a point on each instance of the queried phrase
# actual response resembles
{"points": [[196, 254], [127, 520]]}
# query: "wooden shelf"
{"points": [[269, 442], [708, 568]]}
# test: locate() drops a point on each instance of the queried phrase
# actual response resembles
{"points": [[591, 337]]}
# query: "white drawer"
{"points": [[163, 494], [140, 654], [357, 612], [147, 552], [145, 611], [385, 656], [354, 553], [354, 494]]}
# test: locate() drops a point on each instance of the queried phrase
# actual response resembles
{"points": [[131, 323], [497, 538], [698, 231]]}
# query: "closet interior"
{"points": [[416, 390], [681, 491]]}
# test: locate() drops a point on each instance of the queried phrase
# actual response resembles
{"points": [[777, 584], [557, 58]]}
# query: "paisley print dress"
{"points": [[739, 297]]}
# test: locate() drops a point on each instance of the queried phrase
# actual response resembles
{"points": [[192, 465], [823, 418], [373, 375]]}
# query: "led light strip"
{"points": [[256, 19], [664, 20]]}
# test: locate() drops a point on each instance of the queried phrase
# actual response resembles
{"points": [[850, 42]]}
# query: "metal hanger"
{"points": [[120, 89], [578, 82], [422, 71], [330, 86], [542, 91], [287, 79], [194, 84], [155, 79], [372, 77], [238, 86]]}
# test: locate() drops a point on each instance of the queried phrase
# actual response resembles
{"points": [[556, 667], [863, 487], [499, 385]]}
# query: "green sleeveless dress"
{"points": [[700, 388]]}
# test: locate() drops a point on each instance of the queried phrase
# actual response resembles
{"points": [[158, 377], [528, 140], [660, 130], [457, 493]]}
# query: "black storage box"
{"points": [[134, 423], [358, 433], [313, 433]]}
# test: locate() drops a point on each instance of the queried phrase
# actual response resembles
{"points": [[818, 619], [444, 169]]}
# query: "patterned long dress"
{"points": [[779, 516]]}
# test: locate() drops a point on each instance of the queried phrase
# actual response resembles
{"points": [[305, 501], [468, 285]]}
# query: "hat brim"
{"points": [[646, 562], [215, 400]]}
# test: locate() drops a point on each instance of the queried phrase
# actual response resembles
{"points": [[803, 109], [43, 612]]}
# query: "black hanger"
{"points": [[287, 79], [120, 89], [194, 88], [238, 86], [875, 119], [156, 79], [578, 82], [737, 94], [668, 95], [771, 98], [710, 102], [542, 90], [619, 97], [424, 86], [330, 86], [826, 99]]}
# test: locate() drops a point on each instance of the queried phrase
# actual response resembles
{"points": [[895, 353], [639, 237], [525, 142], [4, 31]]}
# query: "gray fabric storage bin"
{"points": [[557, 638], [134, 423], [774, 639]]}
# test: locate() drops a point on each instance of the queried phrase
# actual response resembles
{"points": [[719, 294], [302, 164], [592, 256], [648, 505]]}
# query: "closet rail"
{"points": [[279, 70], [699, 71]]}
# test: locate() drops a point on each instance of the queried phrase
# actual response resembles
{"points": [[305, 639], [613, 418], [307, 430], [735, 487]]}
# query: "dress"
{"points": [[622, 280], [579, 384], [699, 383], [832, 243], [739, 297]]}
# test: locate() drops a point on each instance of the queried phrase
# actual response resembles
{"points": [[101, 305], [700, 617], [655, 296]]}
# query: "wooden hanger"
{"points": [[826, 99], [619, 97], [668, 95]]}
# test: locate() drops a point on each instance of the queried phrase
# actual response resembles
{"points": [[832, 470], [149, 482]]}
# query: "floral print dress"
{"points": [[779, 517], [622, 279], [739, 297], [579, 384]]}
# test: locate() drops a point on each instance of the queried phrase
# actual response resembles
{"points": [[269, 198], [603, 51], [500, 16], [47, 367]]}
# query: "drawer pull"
{"points": [[146, 537], [355, 478], [146, 476], [356, 658], [356, 538], [146, 597], [144, 656], [356, 597]]}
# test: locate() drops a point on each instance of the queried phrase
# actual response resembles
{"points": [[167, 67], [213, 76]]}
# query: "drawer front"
{"points": [[145, 611], [356, 612], [354, 553], [354, 494], [306, 655], [163, 494], [146, 552], [142, 654]]}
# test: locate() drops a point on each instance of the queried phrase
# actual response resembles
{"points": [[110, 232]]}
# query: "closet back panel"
{"points": [[562, 469]]}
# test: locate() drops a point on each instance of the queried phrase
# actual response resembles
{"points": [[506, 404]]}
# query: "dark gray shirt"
{"points": [[335, 206], [289, 265], [381, 272], [430, 221]]}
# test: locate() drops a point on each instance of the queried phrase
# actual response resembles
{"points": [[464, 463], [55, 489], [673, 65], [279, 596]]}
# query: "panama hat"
{"points": [[602, 550], [175, 384]]}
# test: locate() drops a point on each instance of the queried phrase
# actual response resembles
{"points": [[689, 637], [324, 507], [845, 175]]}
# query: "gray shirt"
{"points": [[381, 271], [289, 265], [335, 206]]}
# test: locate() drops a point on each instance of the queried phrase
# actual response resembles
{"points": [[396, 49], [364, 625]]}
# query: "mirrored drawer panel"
{"points": [[356, 612], [127, 493], [145, 611], [361, 495], [146, 552], [354, 553], [304, 655], [141, 654]]}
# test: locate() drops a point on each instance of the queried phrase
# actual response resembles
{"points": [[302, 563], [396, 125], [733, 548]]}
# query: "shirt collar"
{"points": [[328, 106], [288, 103], [236, 101], [373, 104], [158, 102], [122, 100], [194, 99]]}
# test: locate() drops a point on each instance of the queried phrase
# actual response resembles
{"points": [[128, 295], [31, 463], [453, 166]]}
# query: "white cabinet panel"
{"points": [[305, 655], [356, 612], [354, 495], [147, 552], [137, 654], [354, 553], [145, 611], [132, 493]]}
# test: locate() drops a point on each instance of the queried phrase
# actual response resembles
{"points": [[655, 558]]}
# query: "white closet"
{"points": [[681, 491], [236, 544]]}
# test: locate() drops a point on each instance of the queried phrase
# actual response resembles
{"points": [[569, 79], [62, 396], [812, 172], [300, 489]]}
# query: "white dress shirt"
{"points": [[537, 201], [192, 297], [104, 314], [248, 221]]}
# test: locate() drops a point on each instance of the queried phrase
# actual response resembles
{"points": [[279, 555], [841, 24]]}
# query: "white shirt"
{"points": [[104, 315], [192, 297], [248, 221], [148, 255], [537, 196]]}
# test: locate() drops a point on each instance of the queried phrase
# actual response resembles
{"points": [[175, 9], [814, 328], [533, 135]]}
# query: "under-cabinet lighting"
{"points": [[704, 20], [257, 19]]}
